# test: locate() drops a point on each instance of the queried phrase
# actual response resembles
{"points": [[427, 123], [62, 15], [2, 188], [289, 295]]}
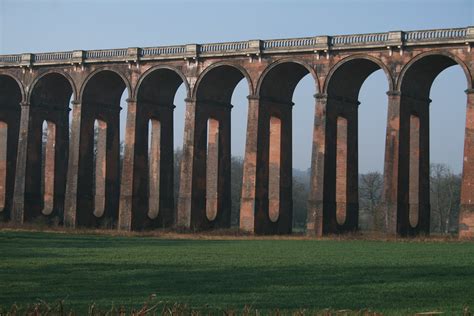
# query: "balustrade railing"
{"points": [[359, 39], [51, 57], [338, 42], [429, 35], [288, 43], [223, 47], [165, 50], [106, 53], [9, 59]]}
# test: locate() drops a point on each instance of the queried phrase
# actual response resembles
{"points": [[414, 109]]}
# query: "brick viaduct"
{"points": [[73, 172]]}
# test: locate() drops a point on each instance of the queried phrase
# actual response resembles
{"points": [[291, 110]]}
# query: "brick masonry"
{"points": [[34, 89]]}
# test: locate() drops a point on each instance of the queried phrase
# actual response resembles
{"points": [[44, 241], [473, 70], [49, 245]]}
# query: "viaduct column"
{"points": [[315, 201], [70, 203], [126, 187], [186, 172], [249, 181], [333, 201], [406, 206], [466, 215], [20, 175], [386, 220], [210, 206]]}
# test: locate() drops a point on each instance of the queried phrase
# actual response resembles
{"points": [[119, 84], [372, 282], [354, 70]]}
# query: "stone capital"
{"points": [[320, 96], [394, 93]]}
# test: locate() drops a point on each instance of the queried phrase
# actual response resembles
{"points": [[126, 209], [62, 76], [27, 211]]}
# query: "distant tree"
{"points": [[178, 156], [300, 200], [445, 189], [236, 173], [370, 196]]}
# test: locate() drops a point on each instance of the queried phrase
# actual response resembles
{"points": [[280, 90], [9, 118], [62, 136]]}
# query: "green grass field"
{"points": [[391, 277]]}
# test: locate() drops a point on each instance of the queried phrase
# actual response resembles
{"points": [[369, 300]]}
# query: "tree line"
{"points": [[445, 188], [445, 191]]}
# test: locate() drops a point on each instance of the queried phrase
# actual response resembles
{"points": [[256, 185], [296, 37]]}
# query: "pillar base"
{"points": [[125, 216], [466, 221]]}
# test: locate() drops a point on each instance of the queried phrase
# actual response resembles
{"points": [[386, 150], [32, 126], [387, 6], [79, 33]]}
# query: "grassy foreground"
{"points": [[386, 276]]}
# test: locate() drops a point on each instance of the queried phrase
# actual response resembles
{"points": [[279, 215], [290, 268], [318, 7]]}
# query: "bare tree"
{"points": [[445, 189], [370, 196]]}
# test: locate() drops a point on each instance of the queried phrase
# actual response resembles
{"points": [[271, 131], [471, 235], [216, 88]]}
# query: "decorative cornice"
{"points": [[316, 44]]}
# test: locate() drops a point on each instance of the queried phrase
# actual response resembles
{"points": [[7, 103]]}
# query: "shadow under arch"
{"points": [[361, 66], [39, 81], [47, 148], [340, 181], [415, 82], [152, 201], [211, 158], [11, 96], [167, 71], [296, 69], [272, 210], [100, 99]]}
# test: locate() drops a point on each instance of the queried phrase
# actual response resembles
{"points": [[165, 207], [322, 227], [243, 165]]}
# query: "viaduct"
{"points": [[73, 171]]}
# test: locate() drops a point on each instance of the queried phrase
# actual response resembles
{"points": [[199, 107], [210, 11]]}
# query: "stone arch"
{"points": [[50, 73], [414, 83], [46, 159], [341, 161], [211, 185], [228, 86], [440, 53], [10, 80], [273, 207], [364, 66], [152, 70], [295, 80], [100, 99], [100, 70], [152, 200], [12, 94]]}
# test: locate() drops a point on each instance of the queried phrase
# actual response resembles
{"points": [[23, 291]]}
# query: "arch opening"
{"points": [[238, 132], [282, 190], [440, 202], [213, 191], [154, 173], [48, 147], [10, 98], [99, 153], [353, 199]]}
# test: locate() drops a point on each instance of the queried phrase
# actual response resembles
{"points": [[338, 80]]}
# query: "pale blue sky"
{"points": [[53, 25]]}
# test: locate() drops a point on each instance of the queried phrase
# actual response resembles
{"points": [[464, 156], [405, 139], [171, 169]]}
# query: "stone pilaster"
{"points": [[186, 172], [249, 182], [20, 176], [387, 214], [70, 203], [126, 189], [466, 215], [315, 202]]}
